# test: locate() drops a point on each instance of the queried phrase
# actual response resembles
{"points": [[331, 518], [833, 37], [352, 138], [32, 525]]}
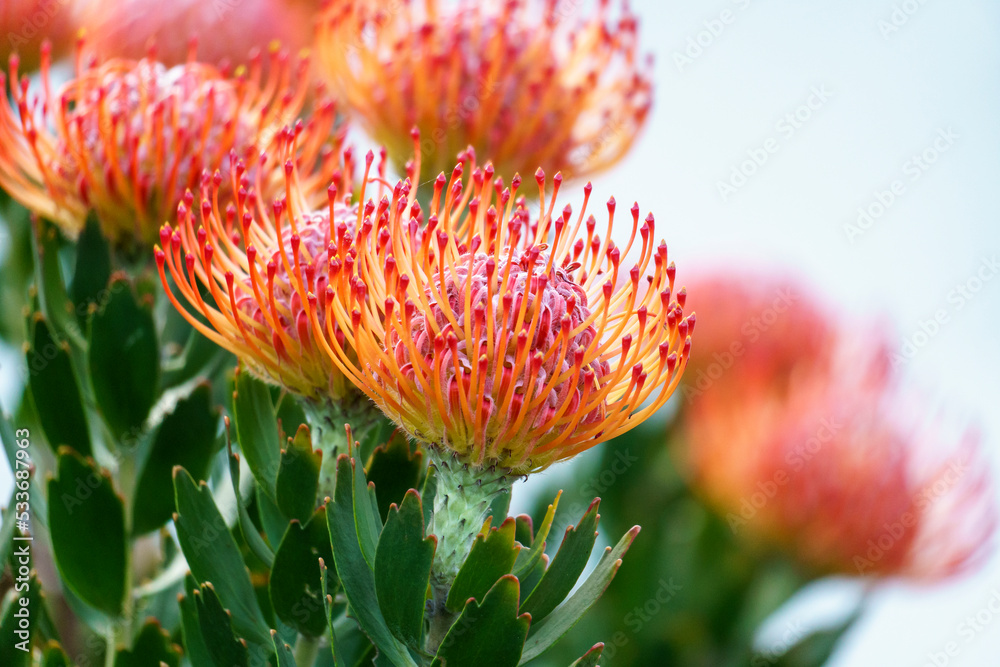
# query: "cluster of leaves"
{"points": [[152, 507]]}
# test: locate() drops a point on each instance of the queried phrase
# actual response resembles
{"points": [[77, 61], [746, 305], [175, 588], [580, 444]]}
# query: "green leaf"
{"points": [[282, 650], [216, 627], [403, 562], [554, 626], [55, 390], [194, 643], [272, 520], [87, 526], [394, 469], [247, 527], [527, 559], [295, 586], [428, 492], [566, 567], [54, 656], [51, 286], [124, 360], [92, 270], [366, 516], [290, 414], [524, 531], [531, 579], [257, 429], [355, 574], [490, 634], [151, 649], [214, 557], [492, 556], [298, 476], [186, 437], [812, 650], [335, 644], [12, 636], [591, 657]]}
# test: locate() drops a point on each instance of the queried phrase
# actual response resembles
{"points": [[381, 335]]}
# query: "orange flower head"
{"points": [[260, 262], [507, 339], [125, 138], [222, 28], [519, 80], [814, 449], [26, 24]]}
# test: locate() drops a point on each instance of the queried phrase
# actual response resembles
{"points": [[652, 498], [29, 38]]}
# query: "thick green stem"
{"points": [[326, 423], [461, 504]]}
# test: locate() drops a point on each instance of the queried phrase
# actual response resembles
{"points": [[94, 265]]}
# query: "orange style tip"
{"points": [[540, 175], [415, 132]]}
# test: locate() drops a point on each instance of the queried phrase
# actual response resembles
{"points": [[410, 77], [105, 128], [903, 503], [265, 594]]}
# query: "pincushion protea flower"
{"points": [[815, 448], [25, 24], [126, 28], [501, 340], [126, 138], [518, 80]]}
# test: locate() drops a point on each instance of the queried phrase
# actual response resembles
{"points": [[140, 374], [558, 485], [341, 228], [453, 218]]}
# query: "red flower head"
{"points": [[517, 80], [126, 138]]}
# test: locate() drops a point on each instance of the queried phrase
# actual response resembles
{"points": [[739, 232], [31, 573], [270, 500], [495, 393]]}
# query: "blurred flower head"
{"points": [[807, 442], [262, 262], [126, 138], [223, 29], [504, 337], [25, 24], [530, 83]]}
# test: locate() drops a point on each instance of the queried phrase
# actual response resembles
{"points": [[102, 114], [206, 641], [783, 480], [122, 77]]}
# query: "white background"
{"points": [[890, 94]]}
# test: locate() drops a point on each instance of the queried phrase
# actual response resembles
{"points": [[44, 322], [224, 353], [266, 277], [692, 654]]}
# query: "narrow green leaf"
{"points": [[528, 558], [554, 626], [524, 531], [355, 574], [490, 634], [295, 586], [366, 516], [257, 429], [394, 469], [216, 626], [531, 579], [325, 577], [123, 359], [283, 651], [52, 293], [194, 643], [92, 269], [247, 527], [492, 556], [55, 390], [214, 557], [298, 476], [186, 437], [87, 526], [428, 492], [152, 648], [566, 567], [403, 562], [591, 657], [54, 656]]}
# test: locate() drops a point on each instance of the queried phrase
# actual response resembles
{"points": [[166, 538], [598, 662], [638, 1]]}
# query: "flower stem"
{"points": [[326, 423]]}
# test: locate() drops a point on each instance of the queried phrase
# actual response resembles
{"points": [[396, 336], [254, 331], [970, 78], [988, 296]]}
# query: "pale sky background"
{"points": [[890, 94]]}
